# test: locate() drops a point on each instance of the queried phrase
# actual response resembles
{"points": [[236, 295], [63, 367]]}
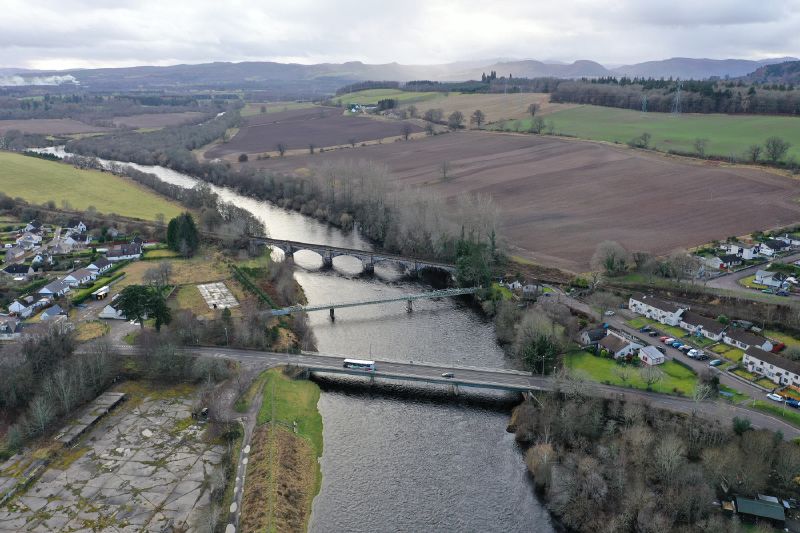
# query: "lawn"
{"points": [[640, 322], [750, 283], [38, 181], [372, 96], [289, 400], [676, 377], [207, 265], [744, 374], [726, 134], [91, 329], [728, 352], [780, 410], [253, 109], [766, 383], [160, 253], [788, 340]]}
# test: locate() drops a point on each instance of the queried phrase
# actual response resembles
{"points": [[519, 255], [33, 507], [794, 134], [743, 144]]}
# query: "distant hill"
{"points": [[689, 68], [787, 72], [530, 68]]}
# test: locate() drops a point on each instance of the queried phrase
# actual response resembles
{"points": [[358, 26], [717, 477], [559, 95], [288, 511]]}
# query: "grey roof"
{"points": [[612, 343], [745, 337], [730, 258], [17, 268], [595, 334], [652, 351], [81, 273], [773, 511], [775, 244], [658, 303], [774, 359], [55, 286], [708, 324], [52, 311], [9, 324], [125, 249], [101, 262]]}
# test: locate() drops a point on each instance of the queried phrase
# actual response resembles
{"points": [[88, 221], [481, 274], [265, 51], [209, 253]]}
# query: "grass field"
{"points": [[372, 96], [676, 377], [252, 109], [788, 340], [749, 282], [726, 134], [38, 181], [728, 352]]}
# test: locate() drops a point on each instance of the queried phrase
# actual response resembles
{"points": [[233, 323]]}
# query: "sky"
{"points": [[62, 34]]}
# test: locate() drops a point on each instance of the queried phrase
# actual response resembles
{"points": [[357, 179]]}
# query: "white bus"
{"points": [[359, 363]]}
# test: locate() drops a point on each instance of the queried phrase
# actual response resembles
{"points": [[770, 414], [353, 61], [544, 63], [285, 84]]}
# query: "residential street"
{"points": [[731, 281]]}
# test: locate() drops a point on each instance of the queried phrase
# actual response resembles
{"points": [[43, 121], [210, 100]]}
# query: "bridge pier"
{"points": [[288, 252], [333, 315], [327, 261], [369, 267], [409, 306]]}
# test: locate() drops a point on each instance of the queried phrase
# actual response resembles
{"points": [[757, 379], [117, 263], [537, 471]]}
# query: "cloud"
{"points": [[16, 80], [50, 34]]}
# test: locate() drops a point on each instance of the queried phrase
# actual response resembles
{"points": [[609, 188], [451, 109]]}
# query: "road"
{"points": [[731, 281], [500, 379]]}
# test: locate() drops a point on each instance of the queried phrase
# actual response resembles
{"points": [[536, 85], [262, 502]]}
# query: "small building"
{"points": [[101, 293], [702, 326], [10, 329], [657, 309], [19, 269], [730, 260], [591, 336], [14, 253], [19, 309], [514, 285], [777, 280], [753, 510], [713, 262], [76, 226], [650, 355], [110, 312], [744, 339], [34, 226], [79, 277], [789, 239], [125, 252], [55, 289], [617, 345], [781, 370], [51, 312], [100, 265]]}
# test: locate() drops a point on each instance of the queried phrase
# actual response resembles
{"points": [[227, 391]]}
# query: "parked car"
{"points": [[685, 348], [767, 291], [663, 338], [702, 356], [692, 353], [775, 397], [777, 348], [608, 313], [645, 329], [653, 333], [793, 403], [661, 349], [677, 344], [782, 293], [668, 340], [715, 362], [447, 375]]}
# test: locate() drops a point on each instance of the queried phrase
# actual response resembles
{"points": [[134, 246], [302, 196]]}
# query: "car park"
{"points": [[715, 362], [775, 397]]}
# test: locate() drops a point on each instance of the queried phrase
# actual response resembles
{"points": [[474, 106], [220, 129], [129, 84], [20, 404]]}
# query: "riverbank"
{"points": [[283, 473]]}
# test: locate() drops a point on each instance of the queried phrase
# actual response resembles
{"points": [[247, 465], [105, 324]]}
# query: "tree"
{"points": [[455, 120], [444, 168], [611, 257], [429, 129], [700, 147], [158, 308], [472, 264], [352, 141], [281, 147], [753, 153], [533, 109], [623, 372], [776, 148], [477, 118], [134, 303], [433, 115], [537, 343], [651, 375], [311, 148], [412, 111], [158, 275], [182, 235], [537, 125], [741, 425], [406, 130], [243, 158]]}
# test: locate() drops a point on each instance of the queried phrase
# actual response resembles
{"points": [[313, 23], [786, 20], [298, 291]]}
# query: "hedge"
{"points": [[248, 284], [82, 295]]}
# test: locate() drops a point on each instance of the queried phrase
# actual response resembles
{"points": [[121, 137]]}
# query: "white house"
{"points": [[744, 340], [701, 325], [19, 309], [779, 369], [51, 312], [10, 329], [77, 226], [771, 279], [100, 266], [771, 247], [789, 239], [34, 226], [656, 309], [112, 313], [125, 252], [713, 262], [514, 285], [79, 277], [745, 251], [56, 288], [617, 345], [651, 356], [591, 336]]}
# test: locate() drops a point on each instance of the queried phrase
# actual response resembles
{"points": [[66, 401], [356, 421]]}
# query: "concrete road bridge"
{"points": [[368, 259]]}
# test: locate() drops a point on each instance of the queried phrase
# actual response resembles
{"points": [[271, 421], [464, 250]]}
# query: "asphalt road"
{"points": [[731, 281], [511, 380]]}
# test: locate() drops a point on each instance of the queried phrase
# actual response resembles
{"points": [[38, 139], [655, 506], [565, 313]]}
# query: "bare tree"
{"points": [[700, 147], [537, 125], [412, 111], [533, 109], [611, 257], [455, 120], [281, 147], [406, 130], [444, 170], [352, 142], [311, 148], [651, 375], [776, 148], [40, 414], [477, 118], [753, 153], [623, 372], [429, 129]]}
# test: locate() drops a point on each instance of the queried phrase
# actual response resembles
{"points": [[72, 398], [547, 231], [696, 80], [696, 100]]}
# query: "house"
{"points": [[591, 336], [79, 277], [781, 370], [111, 313], [530, 290], [56, 288], [702, 326], [76, 225], [713, 262], [51, 312], [514, 285], [10, 329], [28, 241], [650, 355], [617, 345], [62, 248], [33, 226], [100, 266], [730, 260], [771, 279], [744, 339], [12, 254], [745, 251], [18, 269], [137, 240], [758, 510], [789, 239], [772, 246], [113, 233], [20, 309], [125, 252], [81, 239], [657, 309]]}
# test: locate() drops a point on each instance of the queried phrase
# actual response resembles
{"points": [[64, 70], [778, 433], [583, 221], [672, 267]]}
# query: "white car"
{"points": [[692, 353], [775, 397], [609, 313]]}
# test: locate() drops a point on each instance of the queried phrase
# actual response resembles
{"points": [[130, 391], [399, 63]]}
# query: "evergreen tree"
{"points": [[182, 235]]}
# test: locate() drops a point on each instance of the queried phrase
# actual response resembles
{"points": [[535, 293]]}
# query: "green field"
{"points": [[38, 181], [726, 134], [788, 340], [676, 377], [252, 109], [372, 96]]}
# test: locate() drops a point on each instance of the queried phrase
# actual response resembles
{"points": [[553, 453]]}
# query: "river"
{"points": [[398, 458]]}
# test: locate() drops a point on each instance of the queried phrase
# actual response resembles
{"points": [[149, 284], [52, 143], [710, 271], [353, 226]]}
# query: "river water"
{"points": [[401, 458]]}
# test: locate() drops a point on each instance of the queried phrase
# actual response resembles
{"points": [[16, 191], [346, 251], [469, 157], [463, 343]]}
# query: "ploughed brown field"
{"points": [[297, 128], [158, 120], [559, 198], [49, 126]]}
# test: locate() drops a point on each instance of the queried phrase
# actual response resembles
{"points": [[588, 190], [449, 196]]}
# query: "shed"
{"points": [[771, 511]]}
